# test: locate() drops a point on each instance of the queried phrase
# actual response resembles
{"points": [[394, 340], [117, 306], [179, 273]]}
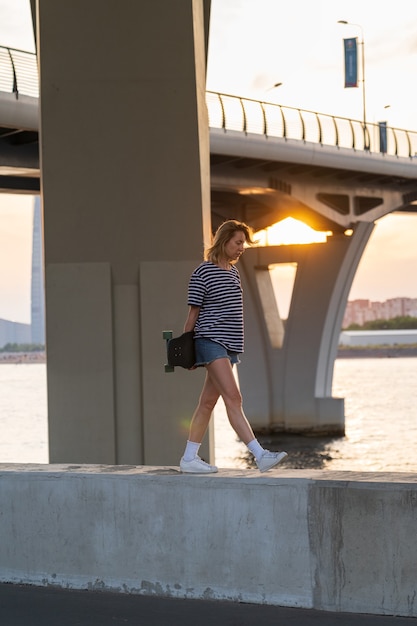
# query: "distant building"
{"points": [[14, 332], [361, 311], [377, 337], [37, 286]]}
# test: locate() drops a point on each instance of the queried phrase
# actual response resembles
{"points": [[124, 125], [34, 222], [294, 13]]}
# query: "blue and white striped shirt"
{"points": [[218, 293]]}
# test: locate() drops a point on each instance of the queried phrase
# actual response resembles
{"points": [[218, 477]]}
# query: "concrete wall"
{"points": [[333, 541]]}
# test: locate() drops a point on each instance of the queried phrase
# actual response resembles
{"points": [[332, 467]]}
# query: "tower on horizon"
{"points": [[37, 286]]}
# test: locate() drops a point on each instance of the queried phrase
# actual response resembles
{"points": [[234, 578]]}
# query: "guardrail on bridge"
{"points": [[18, 72], [275, 120], [19, 75]]}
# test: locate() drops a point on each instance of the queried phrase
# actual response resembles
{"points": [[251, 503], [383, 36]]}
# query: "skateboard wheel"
{"points": [[167, 334], [169, 368]]}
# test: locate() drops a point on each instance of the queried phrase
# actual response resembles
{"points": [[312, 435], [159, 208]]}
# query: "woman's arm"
{"points": [[190, 322]]}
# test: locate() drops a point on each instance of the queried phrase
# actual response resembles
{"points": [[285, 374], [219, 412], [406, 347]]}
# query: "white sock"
{"points": [[255, 447], [191, 450]]}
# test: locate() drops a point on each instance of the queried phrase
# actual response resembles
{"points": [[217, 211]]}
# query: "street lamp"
{"points": [[274, 86], [362, 44]]}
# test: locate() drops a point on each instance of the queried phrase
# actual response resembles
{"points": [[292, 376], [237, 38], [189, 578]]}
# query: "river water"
{"points": [[380, 407]]}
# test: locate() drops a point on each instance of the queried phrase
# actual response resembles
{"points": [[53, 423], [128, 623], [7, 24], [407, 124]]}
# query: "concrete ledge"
{"points": [[339, 541]]}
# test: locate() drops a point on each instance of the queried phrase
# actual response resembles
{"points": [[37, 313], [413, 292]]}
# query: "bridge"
{"points": [[267, 162]]}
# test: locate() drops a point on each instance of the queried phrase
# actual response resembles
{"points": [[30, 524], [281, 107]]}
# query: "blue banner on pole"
{"points": [[351, 62], [383, 143]]}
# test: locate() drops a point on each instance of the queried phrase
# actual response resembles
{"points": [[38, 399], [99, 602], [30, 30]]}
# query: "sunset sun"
{"points": [[289, 231]]}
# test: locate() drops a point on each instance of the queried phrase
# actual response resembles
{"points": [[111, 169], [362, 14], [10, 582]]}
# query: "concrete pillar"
{"points": [[287, 386], [126, 201]]}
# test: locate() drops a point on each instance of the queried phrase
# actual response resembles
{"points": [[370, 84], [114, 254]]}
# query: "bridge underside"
{"points": [[265, 190], [19, 144]]}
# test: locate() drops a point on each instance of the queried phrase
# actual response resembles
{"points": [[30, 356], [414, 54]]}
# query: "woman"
{"points": [[216, 317]]}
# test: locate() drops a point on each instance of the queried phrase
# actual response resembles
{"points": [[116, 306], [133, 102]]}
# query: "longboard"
{"points": [[180, 350]]}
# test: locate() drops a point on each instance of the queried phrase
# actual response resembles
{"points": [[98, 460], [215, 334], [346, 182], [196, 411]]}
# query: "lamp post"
{"points": [[274, 86], [362, 44]]}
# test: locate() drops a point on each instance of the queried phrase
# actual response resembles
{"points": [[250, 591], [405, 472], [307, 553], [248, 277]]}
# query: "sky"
{"points": [[255, 44]]}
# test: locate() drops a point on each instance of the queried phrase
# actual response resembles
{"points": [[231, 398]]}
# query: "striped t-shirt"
{"points": [[218, 293]]}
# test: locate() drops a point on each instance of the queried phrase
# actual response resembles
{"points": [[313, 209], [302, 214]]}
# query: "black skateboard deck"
{"points": [[180, 350]]}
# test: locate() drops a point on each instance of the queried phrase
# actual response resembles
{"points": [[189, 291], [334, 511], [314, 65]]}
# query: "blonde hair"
{"points": [[223, 235]]}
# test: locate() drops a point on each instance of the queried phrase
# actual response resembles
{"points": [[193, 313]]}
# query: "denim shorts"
{"points": [[207, 351]]}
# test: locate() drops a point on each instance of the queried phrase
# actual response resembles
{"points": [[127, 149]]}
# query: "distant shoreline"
{"points": [[358, 352], [22, 357], [387, 352]]}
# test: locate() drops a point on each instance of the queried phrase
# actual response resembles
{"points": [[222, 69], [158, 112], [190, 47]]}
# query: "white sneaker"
{"points": [[269, 460], [197, 466]]}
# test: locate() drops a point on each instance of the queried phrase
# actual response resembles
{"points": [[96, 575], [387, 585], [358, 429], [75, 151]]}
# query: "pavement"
{"points": [[22, 605]]}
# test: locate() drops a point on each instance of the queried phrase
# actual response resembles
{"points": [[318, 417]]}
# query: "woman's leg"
{"points": [[221, 377], [221, 374], [190, 461], [200, 420]]}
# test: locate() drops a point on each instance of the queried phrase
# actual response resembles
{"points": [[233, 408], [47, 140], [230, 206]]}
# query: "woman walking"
{"points": [[216, 317]]}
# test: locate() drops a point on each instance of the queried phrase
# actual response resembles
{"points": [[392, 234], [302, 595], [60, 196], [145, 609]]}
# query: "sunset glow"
{"points": [[289, 231]]}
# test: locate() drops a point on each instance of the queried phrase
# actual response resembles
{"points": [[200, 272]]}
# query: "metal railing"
{"points": [[275, 120], [18, 72], [19, 75]]}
